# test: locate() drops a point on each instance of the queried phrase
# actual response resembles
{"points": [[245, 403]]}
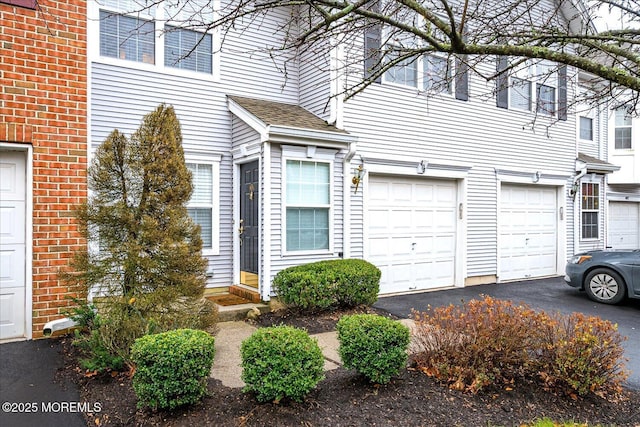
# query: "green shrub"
{"points": [[373, 345], [172, 368], [494, 342], [281, 362], [326, 284], [96, 356]]}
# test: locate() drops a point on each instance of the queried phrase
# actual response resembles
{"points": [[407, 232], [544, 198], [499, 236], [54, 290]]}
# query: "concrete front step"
{"points": [[230, 313]]}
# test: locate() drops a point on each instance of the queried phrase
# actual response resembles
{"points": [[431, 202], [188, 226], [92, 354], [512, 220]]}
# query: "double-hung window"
{"points": [[308, 205], [534, 88], [187, 49], [203, 208], [165, 33], [430, 73], [520, 94], [590, 205], [436, 74], [127, 37], [622, 129], [546, 82], [405, 72], [586, 128]]}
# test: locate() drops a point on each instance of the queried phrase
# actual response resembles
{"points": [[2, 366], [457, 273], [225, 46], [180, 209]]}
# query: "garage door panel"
{"points": [[12, 222], [402, 193], [379, 221], [12, 244], [624, 225], [11, 312], [528, 232], [378, 248], [420, 224]]}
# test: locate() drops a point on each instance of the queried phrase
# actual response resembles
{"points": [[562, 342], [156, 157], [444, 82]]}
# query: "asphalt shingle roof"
{"points": [[286, 115]]}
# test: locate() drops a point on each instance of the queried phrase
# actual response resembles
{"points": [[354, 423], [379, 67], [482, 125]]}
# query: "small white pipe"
{"points": [[58, 325]]}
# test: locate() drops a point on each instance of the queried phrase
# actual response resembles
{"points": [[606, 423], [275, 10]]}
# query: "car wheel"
{"points": [[606, 286]]}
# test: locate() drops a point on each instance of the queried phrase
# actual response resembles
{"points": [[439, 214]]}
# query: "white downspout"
{"points": [[346, 201], [58, 325]]}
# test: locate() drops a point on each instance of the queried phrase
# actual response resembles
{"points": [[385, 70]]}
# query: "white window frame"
{"points": [[404, 64], [625, 126], [214, 160], [537, 75], [159, 20], [595, 210], [314, 155], [422, 77], [590, 117]]}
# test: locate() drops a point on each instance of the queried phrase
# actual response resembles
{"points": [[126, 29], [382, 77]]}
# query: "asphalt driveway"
{"points": [[550, 295]]}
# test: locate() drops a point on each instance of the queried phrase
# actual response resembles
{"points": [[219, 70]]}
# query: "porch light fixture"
{"points": [[422, 167], [357, 177]]}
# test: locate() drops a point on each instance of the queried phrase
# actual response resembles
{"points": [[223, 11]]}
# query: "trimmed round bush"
{"points": [[326, 284], [281, 362], [172, 368], [373, 345]]}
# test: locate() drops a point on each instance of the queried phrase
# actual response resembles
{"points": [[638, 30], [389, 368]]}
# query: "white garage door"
{"points": [[528, 232], [12, 244], [624, 225], [412, 232]]}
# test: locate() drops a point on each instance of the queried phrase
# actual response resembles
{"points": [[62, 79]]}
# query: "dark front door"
{"points": [[248, 229]]}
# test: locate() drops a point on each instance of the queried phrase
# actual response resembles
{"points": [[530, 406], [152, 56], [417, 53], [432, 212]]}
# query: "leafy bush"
{"points": [[493, 342], [172, 368], [326, 284], [583, 354], [373, 345], [279, 362], [97, 357]]}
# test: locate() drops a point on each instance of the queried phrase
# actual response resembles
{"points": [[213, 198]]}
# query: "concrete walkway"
{"points": [[227, 363]]}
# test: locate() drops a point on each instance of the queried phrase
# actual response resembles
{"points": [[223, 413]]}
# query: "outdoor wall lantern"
{"points": [[357, 177], [422, 167], [536, 176]]}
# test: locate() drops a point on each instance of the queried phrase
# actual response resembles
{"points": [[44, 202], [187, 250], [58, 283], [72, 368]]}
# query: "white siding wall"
{"points": [[314, 83], [122, 92], [242, 133], [441, 129], [280, 262]]}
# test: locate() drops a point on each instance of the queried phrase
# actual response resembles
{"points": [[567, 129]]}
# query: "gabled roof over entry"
{"points": [[595, 165], [287, 123]]}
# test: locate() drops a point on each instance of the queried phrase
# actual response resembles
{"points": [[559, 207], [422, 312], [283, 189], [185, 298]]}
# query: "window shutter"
{"points": [[372, 46], [462, 78], [562, 92], [502, 82]]}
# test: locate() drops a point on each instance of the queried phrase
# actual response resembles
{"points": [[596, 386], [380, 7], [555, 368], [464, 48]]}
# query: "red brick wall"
{"points": [[43, 102]]}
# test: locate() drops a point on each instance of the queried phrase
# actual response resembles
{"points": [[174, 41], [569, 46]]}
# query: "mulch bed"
{"points": [[343, 398]]}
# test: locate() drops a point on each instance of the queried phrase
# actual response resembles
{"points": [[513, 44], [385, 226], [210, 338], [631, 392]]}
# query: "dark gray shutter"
{"points": [[372, 56], [562, 92], [462, 78], [502, 82]]}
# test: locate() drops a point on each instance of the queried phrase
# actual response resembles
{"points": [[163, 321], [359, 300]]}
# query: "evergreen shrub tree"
{"points": [[146, 261]]}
